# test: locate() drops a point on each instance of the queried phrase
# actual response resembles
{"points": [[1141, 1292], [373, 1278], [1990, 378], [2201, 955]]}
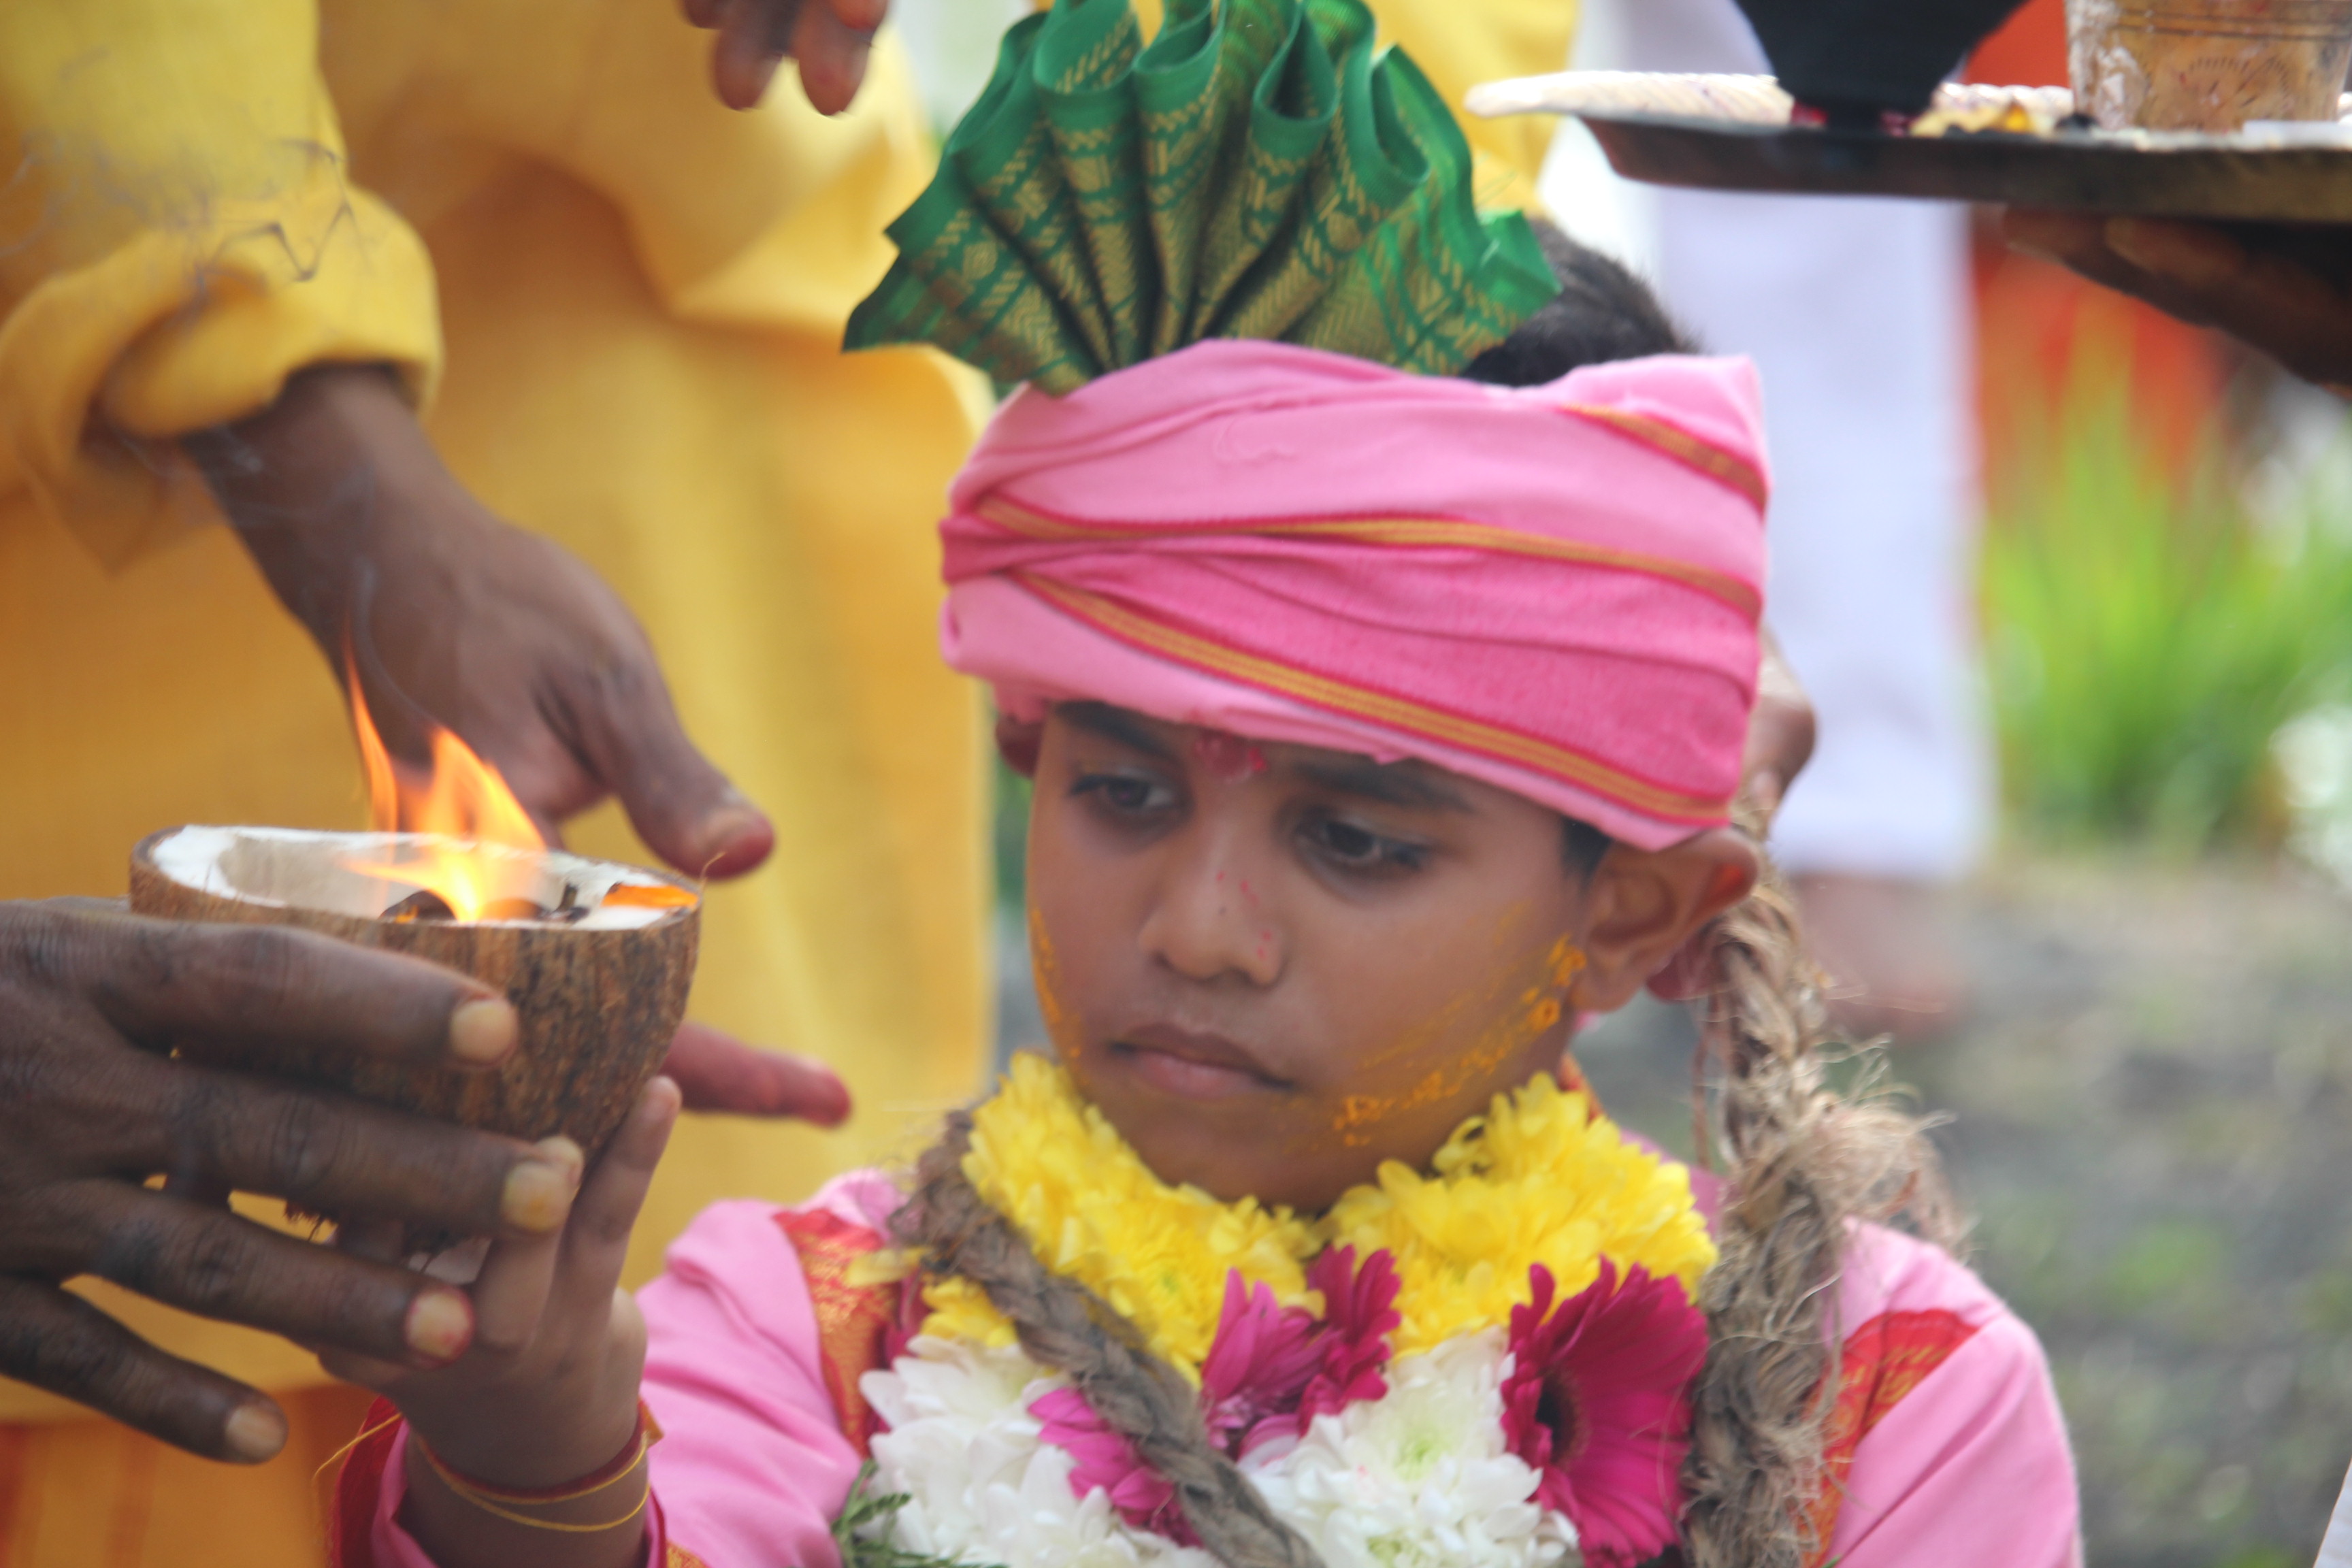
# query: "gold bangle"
{"points": [[561, 1527], [494, 1500]]}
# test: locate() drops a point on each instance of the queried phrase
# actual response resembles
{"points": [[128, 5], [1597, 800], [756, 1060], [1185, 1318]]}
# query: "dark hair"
{"points": [[1604, 313]]}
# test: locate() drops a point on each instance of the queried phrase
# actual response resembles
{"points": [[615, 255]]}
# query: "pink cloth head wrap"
{"points": [[1553, 589]]}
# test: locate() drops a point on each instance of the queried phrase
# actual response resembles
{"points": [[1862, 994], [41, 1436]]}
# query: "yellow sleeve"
{"points": [[1459, 44], [769, 219], [179, 238]]}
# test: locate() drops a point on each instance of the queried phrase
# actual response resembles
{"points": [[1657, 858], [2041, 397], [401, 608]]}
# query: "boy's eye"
{"points": [[1128, 795], [1358, 848]]}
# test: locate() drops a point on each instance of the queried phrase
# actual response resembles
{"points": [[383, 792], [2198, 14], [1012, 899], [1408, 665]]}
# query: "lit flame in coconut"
{"points": [[466, 803]]}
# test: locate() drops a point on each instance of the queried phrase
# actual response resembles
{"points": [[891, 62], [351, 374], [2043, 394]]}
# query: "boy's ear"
{"points": [[1642, 905], [1017, 741]]}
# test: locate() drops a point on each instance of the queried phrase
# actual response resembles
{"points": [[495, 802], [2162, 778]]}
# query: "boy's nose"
{"points": [[1213, 918]]}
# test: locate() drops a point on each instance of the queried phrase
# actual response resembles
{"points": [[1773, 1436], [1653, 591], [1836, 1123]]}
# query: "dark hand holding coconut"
{"points": [[596, 957]]}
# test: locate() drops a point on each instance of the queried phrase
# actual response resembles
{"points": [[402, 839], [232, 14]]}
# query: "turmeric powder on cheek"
{"points": [[1539, 1008]]}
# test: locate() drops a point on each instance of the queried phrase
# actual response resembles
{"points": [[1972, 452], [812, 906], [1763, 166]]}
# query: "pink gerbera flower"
{"points": [[1102, 1458], [1271, 1371], [1596, 1404], [1359, 1314], [1259, 1362]]}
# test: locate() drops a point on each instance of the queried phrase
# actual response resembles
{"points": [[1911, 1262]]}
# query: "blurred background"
{"points": [[2147, 1063]]}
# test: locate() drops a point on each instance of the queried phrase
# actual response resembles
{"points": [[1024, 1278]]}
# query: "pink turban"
{"points": [[1554, 589]]}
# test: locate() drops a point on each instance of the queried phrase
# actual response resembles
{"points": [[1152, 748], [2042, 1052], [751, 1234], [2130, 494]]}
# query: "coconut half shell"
{"points": [[600, 995]]}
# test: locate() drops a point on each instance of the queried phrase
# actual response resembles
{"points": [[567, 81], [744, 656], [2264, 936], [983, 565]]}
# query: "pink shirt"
{"points": [[1958, 1455]]}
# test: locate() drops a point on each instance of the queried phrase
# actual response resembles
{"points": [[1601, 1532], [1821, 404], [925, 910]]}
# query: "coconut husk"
{"points": [[598, 1006]]}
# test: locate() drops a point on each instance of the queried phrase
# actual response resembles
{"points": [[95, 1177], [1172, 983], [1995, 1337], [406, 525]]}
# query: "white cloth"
{"points": [[1857, 312], [2335, 1550]]}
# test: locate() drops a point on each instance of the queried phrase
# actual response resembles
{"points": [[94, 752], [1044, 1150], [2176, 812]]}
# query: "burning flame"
{"points": [[461, 798]]}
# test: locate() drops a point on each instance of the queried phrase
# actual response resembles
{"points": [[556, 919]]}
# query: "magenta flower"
{"points": [[1359, 1314], [1103, 1458], [1258, 1364], [1273, 1370], [1596, 1402]]}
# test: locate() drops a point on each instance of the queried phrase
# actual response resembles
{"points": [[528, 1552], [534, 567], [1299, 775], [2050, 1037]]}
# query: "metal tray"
{"points": [[2299, 174]]}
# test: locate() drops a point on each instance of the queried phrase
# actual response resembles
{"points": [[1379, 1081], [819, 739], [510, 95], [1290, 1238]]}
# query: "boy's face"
{"points": [[1274, 967]]}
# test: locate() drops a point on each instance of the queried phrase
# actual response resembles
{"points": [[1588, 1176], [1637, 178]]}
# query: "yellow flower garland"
{"points": [[1050, 1163], [1537, 1179]]}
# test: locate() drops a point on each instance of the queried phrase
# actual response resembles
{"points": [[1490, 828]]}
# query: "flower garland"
{"points": [[1483, 1366]]}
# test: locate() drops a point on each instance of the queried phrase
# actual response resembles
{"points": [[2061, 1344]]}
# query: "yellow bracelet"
{"points": [[493, 1501]]}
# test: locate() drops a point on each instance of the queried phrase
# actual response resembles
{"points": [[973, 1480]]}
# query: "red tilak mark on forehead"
{"points": [[1228, 756]]}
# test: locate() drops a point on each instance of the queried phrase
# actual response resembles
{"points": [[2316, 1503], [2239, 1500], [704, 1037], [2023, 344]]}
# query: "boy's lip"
{"points": [[1195, 1065]]}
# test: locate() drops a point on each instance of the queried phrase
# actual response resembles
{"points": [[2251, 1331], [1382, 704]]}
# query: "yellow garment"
{"points": [[641, 294]]}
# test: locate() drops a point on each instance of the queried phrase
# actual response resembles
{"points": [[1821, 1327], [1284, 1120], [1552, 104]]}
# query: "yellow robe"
{"points": [[640, 295]]}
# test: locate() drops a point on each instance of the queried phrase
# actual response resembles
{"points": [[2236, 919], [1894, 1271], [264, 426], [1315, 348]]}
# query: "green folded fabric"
{"points": [[1260, 170]]}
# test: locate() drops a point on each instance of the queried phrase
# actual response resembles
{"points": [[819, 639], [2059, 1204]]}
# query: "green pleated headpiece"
{"points": [[1259, 170]]}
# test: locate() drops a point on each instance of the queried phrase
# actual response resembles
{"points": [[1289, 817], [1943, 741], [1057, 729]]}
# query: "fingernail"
{"points": [[483, 1031], [730, 822], [253, 1432], [735, 837], [563, 1151], [537, 1193], [537, 1197], [440, 1325]]}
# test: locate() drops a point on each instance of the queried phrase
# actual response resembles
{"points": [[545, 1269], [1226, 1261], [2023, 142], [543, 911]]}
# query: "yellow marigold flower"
{"points": [[1052, 1165], [1539, 1179], [961, 1310]]}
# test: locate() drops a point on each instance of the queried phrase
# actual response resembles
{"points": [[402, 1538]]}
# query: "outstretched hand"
{"points": [[828, 38], [2281, 288], [459, 617]]}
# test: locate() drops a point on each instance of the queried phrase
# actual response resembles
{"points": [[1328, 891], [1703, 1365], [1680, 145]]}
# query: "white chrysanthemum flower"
{"points": [[982, 1486], [1420, 1478]]}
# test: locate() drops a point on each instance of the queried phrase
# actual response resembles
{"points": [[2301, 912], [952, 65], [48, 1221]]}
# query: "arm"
{"points": [[183, 246], [458, 617], [2282, 287]]}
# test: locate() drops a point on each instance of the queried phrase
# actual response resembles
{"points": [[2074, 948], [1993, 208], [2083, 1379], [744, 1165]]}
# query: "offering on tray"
{"points": [[1973, 142], [2207, 65]]}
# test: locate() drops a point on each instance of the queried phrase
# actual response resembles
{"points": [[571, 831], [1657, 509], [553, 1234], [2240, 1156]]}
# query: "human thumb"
{"points": [[683, 807]]}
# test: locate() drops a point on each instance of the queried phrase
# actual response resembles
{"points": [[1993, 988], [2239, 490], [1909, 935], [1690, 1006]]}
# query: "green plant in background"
{"points": [[1011, 832], [2146, 641]]}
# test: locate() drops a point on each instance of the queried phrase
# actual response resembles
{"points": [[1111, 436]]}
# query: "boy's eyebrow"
{"points": [[1393, 783], [1114, 725]]}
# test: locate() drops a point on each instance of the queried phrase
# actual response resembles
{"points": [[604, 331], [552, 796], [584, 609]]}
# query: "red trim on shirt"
{"points": [[852, 1321], [1884, 1359]]}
